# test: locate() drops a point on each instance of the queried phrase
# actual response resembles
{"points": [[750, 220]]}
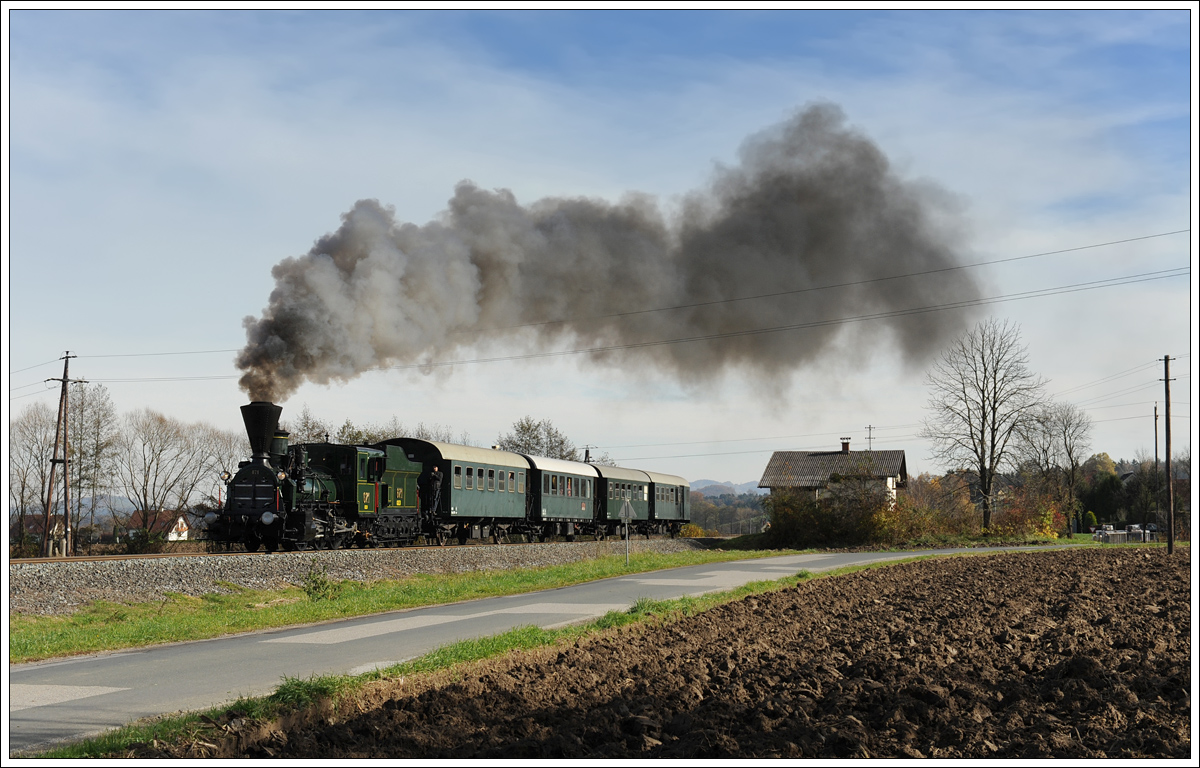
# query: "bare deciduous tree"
{"points": [[1053, 446], [538, 438], [93, 429], [30, 447], [982, 395]]}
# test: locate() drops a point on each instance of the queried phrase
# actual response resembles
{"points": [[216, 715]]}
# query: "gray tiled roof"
{"points": [[811, 469]]}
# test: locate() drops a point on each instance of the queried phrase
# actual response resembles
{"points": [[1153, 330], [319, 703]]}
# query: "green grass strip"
{"points": [[107, 626]]}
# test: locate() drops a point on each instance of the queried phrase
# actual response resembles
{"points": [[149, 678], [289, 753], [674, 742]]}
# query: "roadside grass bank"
{"points": [[765, 541], [320, 697], [108, 626]]}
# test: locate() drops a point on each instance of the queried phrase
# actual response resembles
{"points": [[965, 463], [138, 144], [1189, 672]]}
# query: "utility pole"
{"points": [[60, 435], [1157, 505], [1167, 457], [869, 430]]}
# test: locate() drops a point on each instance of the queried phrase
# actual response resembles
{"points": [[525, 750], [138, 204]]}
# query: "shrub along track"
{"points": [[1076, 653]]}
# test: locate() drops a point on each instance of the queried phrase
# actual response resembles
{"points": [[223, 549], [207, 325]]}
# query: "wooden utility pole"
{"points": [[1167, 457], [61, 434], [1157, 498]]}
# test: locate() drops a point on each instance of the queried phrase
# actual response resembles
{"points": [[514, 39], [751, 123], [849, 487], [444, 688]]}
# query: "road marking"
{"points": [[23, 696], [346, 634], [362, 669], [707, 583]]}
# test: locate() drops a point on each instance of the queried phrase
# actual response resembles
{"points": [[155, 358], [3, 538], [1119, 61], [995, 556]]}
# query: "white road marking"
{"points": [[710, 582], [23, 696], [362, 669], [346, 634]]}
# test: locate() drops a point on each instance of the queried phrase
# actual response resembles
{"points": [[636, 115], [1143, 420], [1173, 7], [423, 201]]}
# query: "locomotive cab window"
{"points": [[362, 467]]}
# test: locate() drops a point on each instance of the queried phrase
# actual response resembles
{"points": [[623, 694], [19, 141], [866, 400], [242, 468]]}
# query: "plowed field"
{"points": [[1077, 653]]}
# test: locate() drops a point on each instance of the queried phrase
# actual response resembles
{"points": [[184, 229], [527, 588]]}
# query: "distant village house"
{"points": [[812, 472]]}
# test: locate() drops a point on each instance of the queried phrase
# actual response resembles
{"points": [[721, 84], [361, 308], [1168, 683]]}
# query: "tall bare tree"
{"points": [[982, 394], [154, 465], [93, 429], [538, 438], [1053, 446], [30, 448]]}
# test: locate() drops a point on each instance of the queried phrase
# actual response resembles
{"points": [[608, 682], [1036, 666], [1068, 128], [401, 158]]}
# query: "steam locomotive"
{"points": [[330, 496]]}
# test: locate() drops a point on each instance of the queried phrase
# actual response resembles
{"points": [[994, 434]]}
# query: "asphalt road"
{"points": [[67, 699]]}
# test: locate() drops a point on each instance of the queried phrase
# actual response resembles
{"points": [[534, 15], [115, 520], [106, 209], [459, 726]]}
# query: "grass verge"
{"points": [[106, 626]]}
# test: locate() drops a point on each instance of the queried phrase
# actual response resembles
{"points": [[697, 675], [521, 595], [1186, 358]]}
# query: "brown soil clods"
{"points": [[1076, 653]]}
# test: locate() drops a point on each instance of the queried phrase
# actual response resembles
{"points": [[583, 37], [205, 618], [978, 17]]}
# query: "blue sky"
{"points": [[159, 164]]}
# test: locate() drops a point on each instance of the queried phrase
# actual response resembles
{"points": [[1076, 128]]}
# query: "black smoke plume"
{"points": [[811, 203]]}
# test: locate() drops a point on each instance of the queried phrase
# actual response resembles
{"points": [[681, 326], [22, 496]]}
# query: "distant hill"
{"points": [[715, 488]]}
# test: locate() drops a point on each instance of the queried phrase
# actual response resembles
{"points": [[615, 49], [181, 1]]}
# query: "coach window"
{"points": [[511, 482], [500, 481], [458, 476], [470, 478], [479, 479], [570, 486], [491, 479], [610, 490], [554, 485], [545, 485], [520, 482]]}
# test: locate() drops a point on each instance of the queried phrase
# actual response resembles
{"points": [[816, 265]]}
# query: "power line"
{"points": [[831, 285], [1038, 293], [700, 304], [160, 354], [30, 368], [744, 439]]}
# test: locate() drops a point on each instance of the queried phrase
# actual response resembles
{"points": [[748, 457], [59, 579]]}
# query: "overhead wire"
{"points": [[848, 284]]}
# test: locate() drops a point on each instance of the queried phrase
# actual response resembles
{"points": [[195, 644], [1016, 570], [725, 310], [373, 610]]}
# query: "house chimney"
{"points": [[845, 445]]}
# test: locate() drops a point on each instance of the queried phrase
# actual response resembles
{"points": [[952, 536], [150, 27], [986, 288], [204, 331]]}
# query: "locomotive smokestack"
{"points": [[261, 419]]}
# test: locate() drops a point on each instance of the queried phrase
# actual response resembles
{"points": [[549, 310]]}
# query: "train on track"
{"points": [[331, 496]]}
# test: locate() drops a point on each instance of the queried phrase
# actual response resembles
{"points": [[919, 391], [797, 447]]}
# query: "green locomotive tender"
{"points": [[328, 496]]}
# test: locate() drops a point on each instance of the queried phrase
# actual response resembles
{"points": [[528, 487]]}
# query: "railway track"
{"points": [[234, 553]]}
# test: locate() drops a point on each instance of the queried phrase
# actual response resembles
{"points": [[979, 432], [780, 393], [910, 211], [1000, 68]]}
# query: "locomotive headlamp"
{"points": [[267, 518], [281, 476], [225, 477], [210, 518]]}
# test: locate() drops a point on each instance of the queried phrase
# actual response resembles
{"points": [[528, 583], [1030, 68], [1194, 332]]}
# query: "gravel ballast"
{"points": [[62, 587]]}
